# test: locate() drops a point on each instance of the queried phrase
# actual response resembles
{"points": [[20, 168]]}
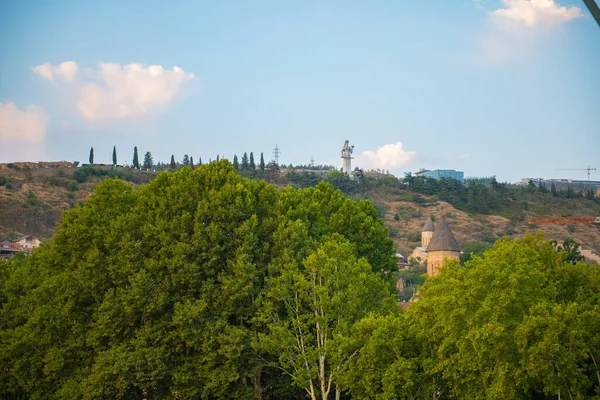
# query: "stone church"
{"points": [[437, 243]]}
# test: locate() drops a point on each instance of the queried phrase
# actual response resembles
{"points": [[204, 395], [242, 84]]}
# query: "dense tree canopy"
{"points": [[159, 291], [203, 284]]}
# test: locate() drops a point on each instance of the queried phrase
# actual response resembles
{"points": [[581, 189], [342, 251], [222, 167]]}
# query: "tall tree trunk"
{"points": [[256, 383]]}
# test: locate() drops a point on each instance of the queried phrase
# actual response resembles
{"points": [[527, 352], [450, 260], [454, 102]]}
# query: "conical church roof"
{"points": [[442, 238], [428, 226]]}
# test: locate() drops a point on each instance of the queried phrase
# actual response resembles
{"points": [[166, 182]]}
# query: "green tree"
{"points": [[114, 156], [251, 164], [91, 158], [199, 160], [388, 360], [172, 165], [490, 328], [570, 248], [191, 161], [262, 162], [309, 309], [136, 160], [161, 291], [148, 161], [186, 160], [236, 163], [245, 163]]}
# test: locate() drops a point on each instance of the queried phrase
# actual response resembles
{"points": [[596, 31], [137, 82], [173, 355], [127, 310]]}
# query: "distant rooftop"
{"points": [[442, 238]]}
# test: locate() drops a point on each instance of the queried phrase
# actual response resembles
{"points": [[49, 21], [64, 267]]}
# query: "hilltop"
{"points": [[33, 195]]}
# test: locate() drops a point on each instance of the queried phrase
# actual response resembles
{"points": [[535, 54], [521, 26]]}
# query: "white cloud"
{"points": [[27, 125], [22, 132], [130, 91], [66, 71], [534, 13], [464, 156], [520, 27], [389, 156], [112, 91]]}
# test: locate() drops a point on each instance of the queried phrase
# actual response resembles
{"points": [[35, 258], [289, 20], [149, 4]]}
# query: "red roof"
{"points": [[10, 246]]}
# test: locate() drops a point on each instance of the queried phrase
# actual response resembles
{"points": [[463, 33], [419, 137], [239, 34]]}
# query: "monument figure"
{"points": [[347, 158]]}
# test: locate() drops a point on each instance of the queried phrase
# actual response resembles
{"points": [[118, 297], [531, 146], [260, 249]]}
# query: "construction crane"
{"points": [[588, 169]]}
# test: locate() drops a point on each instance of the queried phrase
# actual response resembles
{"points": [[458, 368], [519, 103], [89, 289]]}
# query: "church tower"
{"points": [[427, 233], [442, 246]]}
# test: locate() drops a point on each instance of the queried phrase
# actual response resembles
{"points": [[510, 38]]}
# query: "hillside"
{"points": [[32, 197]]}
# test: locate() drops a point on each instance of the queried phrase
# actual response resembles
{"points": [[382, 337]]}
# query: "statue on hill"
{"points": [[347, 151]]}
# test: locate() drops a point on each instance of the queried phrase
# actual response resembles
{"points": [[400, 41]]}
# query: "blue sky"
{"points": [[503, 88]]}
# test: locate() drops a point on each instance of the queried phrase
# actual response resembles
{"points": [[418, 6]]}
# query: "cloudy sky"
{"points": [[508, 88]]}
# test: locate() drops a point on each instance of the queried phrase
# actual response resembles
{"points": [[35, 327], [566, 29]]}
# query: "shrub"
{"points": [[2, 181], [32, 199], [414, 236], [72, 186]]}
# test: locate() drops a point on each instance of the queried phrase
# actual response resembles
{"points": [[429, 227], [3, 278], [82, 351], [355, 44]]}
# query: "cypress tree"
{"points": [[252, 165], [192, 162], [91, 156], [114, 157], [136, 161], [244, 162], [236, 163], [172, 165], [199, 161], [262, 162], [186, 160]]}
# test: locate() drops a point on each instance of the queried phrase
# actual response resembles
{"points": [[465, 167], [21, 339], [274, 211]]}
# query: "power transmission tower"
{"points": [[312, 162], [276, 154]]}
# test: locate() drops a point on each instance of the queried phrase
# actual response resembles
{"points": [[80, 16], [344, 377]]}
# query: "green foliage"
{"points": [[114, 156], [32, 199], [245, 163], [414, 236], [136, 160], [387, 361], [72, 186], [302, 179], [161, 291], [148, 161], [473, 249], [262, 162], [251, 163], [172, 165], [517, 323], [91, 156], [3, 181], [309, 308]]}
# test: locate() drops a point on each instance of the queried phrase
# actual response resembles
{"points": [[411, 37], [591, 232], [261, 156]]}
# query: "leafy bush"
{"points": [[72, 186], [32, 199], [414, 236]]}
